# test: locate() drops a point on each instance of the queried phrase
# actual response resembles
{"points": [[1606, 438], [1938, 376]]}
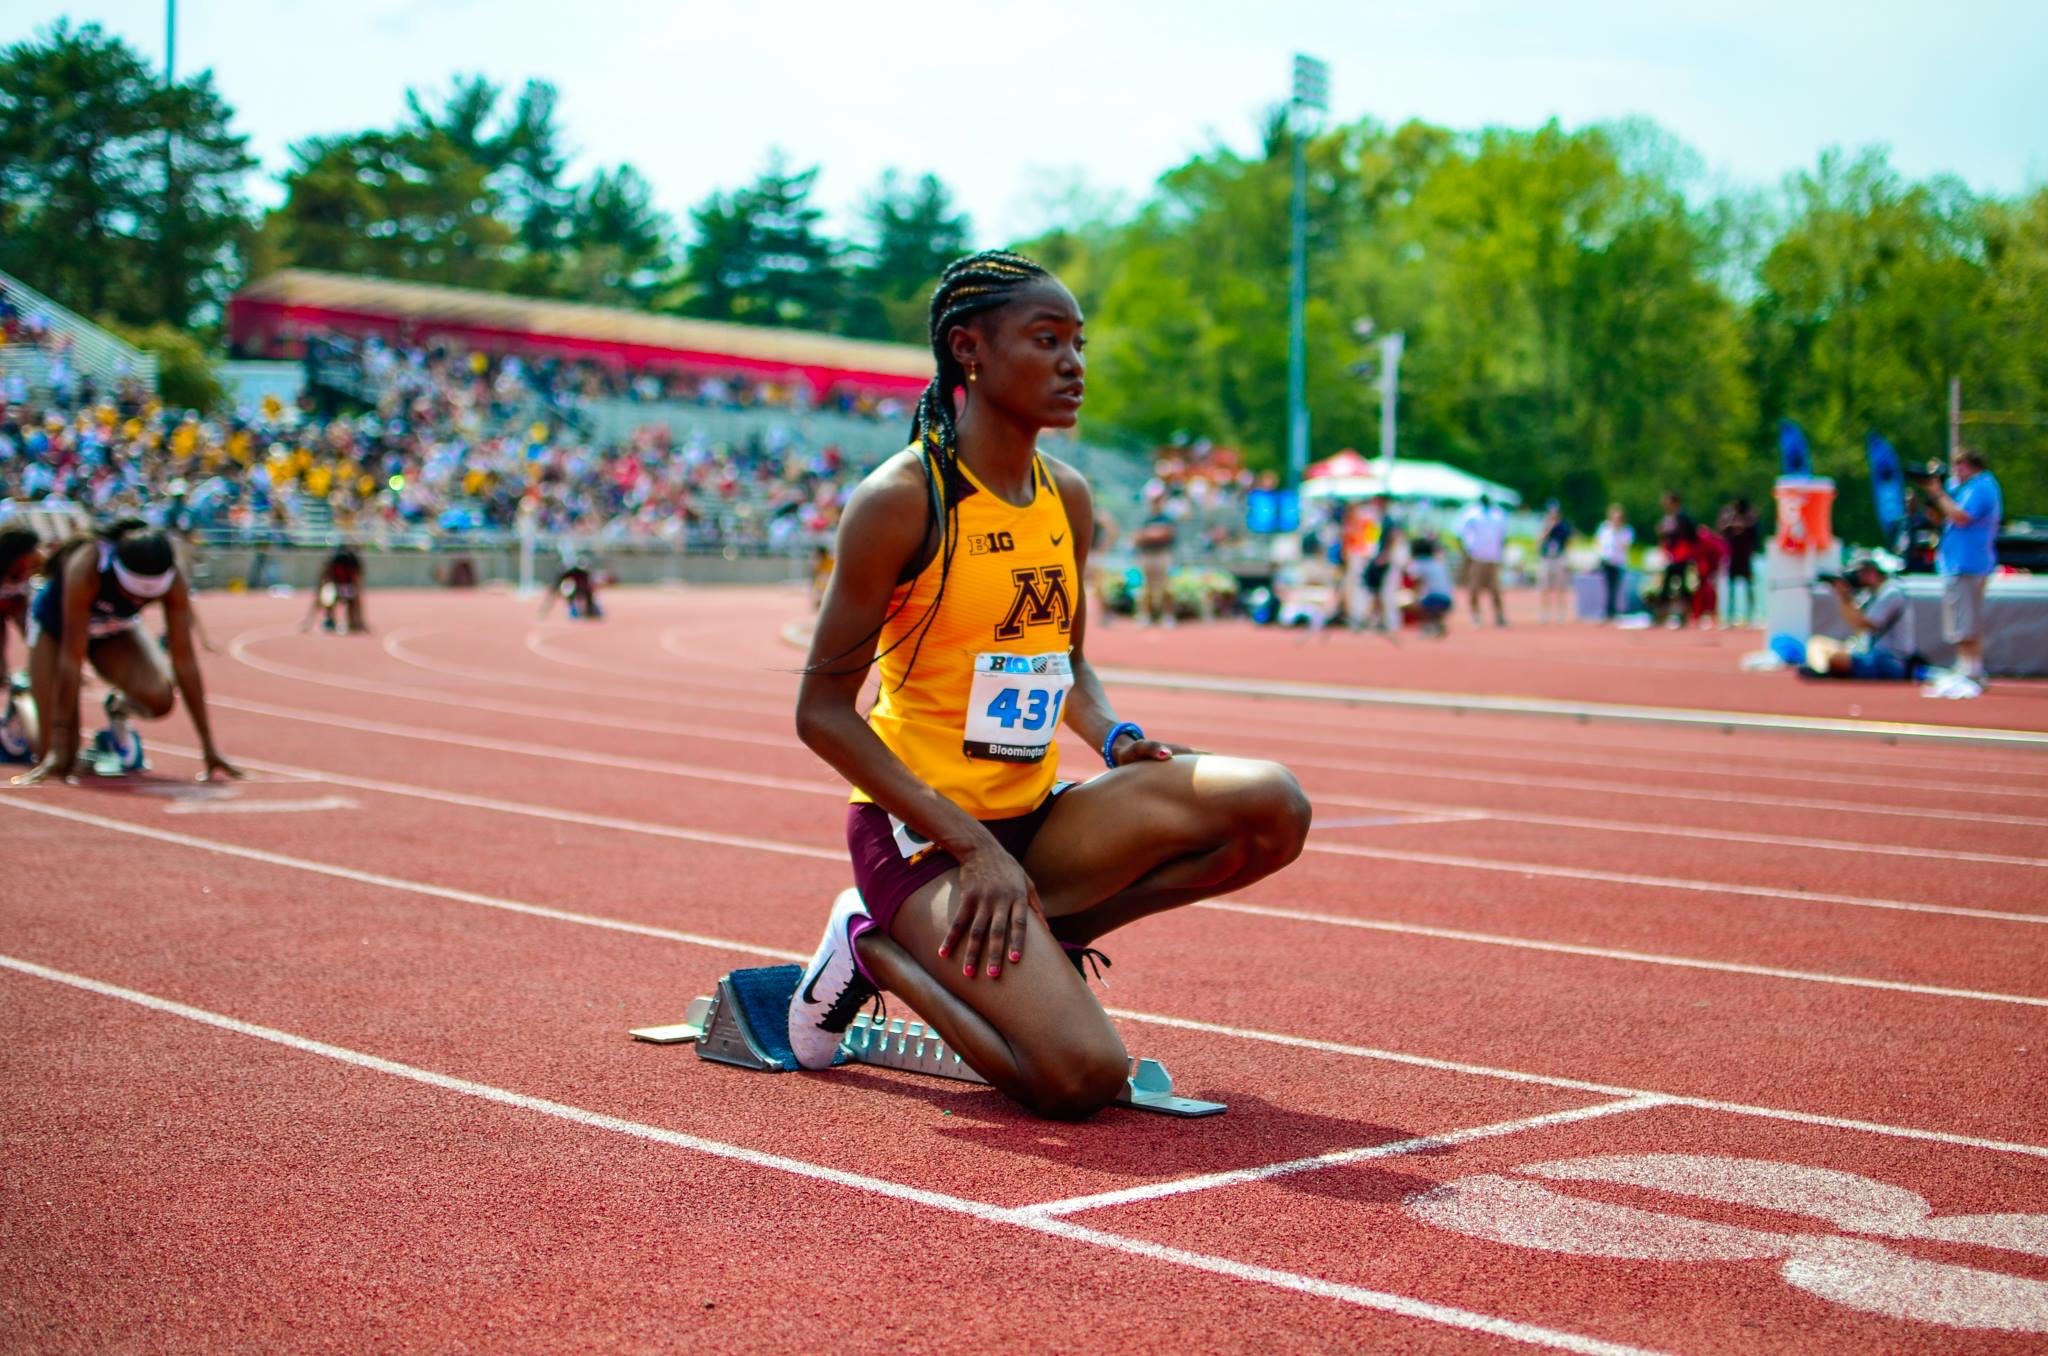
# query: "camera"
{"points": [[1923, 472]]}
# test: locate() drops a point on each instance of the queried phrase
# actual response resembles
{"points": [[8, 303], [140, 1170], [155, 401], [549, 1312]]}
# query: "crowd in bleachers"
{"points": [[439, 440]]}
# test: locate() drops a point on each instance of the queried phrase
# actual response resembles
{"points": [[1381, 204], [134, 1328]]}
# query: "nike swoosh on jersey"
{"points": [[1058, 539]]}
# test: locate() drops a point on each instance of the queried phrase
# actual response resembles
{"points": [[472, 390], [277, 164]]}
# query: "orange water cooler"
{"points": [[1803, 548]]}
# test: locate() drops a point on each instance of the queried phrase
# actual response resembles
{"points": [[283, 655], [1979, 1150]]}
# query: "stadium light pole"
{"points": [[1311, 94]]}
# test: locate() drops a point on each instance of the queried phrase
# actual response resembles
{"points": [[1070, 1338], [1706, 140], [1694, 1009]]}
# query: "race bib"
{"points": [[1013, 709]]}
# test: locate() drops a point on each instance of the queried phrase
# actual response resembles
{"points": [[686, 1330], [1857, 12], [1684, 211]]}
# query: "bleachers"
{"points": [[90, 350]]}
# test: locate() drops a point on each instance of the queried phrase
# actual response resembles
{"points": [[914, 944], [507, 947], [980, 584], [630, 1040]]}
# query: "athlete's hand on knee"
{"points": [[1129, 751], [997, 900]]}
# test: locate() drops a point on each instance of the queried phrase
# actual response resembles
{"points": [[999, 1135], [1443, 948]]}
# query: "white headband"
{"points": [[144, 585]]}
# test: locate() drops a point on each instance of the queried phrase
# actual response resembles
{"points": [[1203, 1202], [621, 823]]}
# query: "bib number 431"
{"points": [[1013, 707], [1033, 709]]}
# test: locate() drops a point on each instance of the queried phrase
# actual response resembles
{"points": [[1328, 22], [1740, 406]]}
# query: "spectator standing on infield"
{"points": [[1613, 541], [1483, 531], [1557, 572], [1969, 506], [1742, 532], [1154, 541], [1676, 534]]}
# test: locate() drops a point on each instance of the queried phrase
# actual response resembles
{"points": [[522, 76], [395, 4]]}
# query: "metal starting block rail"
{"points": [[744, 1024]]}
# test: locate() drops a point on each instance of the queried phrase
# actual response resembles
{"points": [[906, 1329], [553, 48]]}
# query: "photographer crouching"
{"points": [[1969, 506], [1874, 606]]}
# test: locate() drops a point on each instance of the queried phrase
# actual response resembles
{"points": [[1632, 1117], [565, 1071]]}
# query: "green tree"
{"points": [[1871, 300], [619, 250], [760, 257], [408, 205], [911, 231], [85, 127]]}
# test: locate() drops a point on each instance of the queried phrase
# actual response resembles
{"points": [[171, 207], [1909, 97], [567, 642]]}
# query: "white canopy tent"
{"points": [[1350, 476]]}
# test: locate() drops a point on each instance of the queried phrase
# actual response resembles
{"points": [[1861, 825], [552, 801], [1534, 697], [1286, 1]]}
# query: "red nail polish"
{"points": [[1016, 956], [943, 953], [994, 970], [967, 970]]}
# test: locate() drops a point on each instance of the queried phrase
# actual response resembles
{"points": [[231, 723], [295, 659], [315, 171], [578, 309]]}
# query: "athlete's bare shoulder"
{"points": [[1073, 486], [888, 517]]}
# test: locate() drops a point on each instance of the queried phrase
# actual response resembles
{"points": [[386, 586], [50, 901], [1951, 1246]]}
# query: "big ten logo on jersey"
{"points": [[989, 543], [1041, 600]]}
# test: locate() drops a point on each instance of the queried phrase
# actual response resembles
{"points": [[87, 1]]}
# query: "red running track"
{"points": [[1590, 1037]]}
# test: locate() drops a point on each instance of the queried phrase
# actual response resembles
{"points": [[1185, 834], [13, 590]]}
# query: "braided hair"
{"points": [[968, 287]]}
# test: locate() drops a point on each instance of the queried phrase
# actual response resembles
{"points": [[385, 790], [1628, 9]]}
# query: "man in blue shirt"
{"points": [[1970, 507]]}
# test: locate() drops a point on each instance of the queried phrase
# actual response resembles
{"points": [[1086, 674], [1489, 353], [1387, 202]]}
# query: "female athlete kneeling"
{"points": [[983, 878], [89, 609]]}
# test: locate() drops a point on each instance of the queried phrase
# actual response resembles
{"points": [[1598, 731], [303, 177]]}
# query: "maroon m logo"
{"points": [[1041, 600]]}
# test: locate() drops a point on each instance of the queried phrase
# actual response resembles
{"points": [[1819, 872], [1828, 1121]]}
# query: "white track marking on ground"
{"points": [[444, 697], [260, 807], [536, 641], [1664, 882], [1353, 802], [1720, 836], [1611, 953], [384, 882], [1508, 707], [1144, 1018], [394, 645], [1866, 766], [1339, 1157], [510, 807], [1598, 787], [1656, 715], [728, 735], [1383, 1301], [552, 752]]}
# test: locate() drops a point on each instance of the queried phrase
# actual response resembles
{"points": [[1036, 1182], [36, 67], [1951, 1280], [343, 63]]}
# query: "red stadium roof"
{"points": [[292, 302]]}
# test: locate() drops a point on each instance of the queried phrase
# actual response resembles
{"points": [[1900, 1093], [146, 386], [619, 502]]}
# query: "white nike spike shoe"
{"points": [[831, 991]]}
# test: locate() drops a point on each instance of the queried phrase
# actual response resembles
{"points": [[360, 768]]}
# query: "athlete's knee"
{"points": [[152, 701], [1279, 824], [1077, 1086]]}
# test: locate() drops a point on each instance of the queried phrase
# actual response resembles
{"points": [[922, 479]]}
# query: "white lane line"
{"points": [[239, 648], [1338, 849], [18, 802], [394, 645], [552, 752], [260, 807], [1633, 789], [692, 679], [688, 770], [729, 735], [1655, 715], [1663, 882], [1614, 954], [1400, 819], [1722, 836], [1858, 767], [1328, 1047], [1338, 1157], [1383, 1301], [1146, 1018], [513, 807]]}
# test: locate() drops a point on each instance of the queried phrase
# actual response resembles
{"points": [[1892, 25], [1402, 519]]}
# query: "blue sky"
{"points": [[1014, 103]]}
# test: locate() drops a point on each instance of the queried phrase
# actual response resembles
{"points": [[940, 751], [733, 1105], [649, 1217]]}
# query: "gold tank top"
{"points": [[976, 715]]}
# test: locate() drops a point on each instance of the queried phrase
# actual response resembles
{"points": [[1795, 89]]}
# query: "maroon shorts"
{"points": [[892, 861]]}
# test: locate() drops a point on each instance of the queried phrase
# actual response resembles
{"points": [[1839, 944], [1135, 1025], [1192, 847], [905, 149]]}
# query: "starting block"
{"points": [[744, 1023]]}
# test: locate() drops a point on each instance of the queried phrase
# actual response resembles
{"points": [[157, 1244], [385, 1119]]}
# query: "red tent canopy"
{"points": [[1345, 463]]}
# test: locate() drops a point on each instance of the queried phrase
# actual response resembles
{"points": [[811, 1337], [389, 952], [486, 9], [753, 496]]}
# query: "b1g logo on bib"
{"points": [[1041, 600]]}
